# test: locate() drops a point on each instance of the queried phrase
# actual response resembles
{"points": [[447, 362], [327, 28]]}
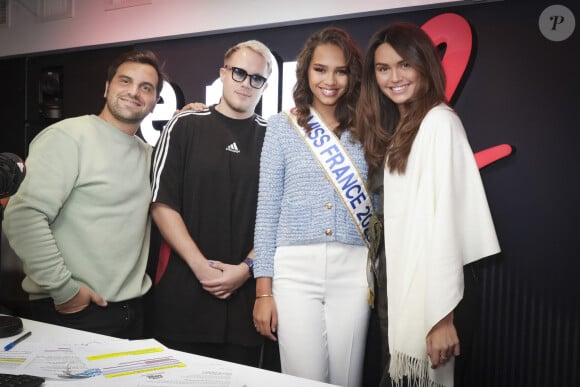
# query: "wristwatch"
{"points": [[250, 262]]}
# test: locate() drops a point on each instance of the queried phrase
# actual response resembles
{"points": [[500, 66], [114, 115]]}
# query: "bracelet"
{"points": [[264, 295]]}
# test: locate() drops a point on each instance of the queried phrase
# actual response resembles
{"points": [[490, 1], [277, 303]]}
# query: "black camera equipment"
{"points": [[12, 171]]}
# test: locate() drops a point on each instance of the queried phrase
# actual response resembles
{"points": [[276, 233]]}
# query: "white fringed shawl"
{"points": [[436, 220]]}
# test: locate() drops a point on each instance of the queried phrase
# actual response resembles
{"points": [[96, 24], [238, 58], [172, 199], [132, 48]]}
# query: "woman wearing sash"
{"points": [[436, 216], [310, 251]]}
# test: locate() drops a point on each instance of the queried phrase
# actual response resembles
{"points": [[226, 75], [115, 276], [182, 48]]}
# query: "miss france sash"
{"points": [[340, 170]]}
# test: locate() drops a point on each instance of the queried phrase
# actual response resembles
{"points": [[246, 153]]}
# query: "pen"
{"points": [[11, 345]]}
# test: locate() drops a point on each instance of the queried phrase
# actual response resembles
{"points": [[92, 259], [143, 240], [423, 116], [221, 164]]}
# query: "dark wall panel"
{"points": [[12, 106], [83, 81]]}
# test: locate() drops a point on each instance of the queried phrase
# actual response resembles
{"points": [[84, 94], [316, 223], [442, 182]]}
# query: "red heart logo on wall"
{"points": [[454, 32]]}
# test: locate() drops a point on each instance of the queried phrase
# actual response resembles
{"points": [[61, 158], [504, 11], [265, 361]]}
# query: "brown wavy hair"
{"points": [[346, 106], [386, 134]]}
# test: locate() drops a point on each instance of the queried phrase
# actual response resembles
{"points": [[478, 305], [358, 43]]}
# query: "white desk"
{"points": [[241, 375]]}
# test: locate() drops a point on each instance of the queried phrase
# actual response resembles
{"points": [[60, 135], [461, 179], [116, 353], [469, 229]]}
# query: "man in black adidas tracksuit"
{"points": [[205, 183]]}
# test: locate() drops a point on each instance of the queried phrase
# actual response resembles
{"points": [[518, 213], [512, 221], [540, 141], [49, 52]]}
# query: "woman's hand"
{"points": [[265, 312], [443, 342], [266, 317]]}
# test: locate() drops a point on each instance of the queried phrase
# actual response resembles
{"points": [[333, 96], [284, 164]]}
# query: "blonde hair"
{"points": [[256, 46]]}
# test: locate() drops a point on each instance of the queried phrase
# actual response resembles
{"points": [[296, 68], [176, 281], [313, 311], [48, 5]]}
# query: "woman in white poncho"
{"points": [[436, 216]]}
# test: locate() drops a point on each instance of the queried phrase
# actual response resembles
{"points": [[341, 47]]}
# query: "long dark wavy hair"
{"points": [[346, 106], [386, 134]]}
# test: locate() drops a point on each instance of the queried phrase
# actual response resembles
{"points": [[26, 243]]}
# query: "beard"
{"points": [[246, 107], [123, 114]]}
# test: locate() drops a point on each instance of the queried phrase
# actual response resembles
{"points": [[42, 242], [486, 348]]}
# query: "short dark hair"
{"points": [[138, 56]]}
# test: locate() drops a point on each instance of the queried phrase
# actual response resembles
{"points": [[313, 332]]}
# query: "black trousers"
{"points": [[124, 319]]}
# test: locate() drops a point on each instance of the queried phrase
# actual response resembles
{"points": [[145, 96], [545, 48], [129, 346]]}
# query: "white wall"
{"points": [[93, 26]]}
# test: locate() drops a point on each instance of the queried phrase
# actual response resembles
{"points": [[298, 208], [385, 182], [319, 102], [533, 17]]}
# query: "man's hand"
{"points": [[79, 302], [205, 272], [195, 106], [232, 278]]}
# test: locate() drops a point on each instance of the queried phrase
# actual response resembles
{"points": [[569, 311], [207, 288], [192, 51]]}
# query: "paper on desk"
{"points": [[200, 375], [161, 372], [12, 361], [114, 359], [40, 359], [129, 359], [46, 353]]}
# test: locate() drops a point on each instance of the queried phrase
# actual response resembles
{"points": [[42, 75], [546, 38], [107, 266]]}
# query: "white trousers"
{"points": [[320, 292]]}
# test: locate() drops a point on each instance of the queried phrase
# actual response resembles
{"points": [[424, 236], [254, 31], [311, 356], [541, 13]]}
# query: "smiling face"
{"points": [[239, 99], [396, 78], [327, 76], [130, 96]]}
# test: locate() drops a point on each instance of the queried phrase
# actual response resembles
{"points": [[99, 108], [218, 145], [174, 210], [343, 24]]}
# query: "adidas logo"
{"points": [[233, 147]]}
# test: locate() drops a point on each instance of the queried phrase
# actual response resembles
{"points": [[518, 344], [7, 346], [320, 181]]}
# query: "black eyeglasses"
{"points": [[240, 75]]}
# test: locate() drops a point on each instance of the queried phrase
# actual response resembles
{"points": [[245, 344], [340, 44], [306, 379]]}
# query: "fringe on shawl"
{"points": [[415, 370]]}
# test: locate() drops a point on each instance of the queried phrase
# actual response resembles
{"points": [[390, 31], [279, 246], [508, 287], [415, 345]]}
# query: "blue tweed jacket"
{"points": [[297, 205]]}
